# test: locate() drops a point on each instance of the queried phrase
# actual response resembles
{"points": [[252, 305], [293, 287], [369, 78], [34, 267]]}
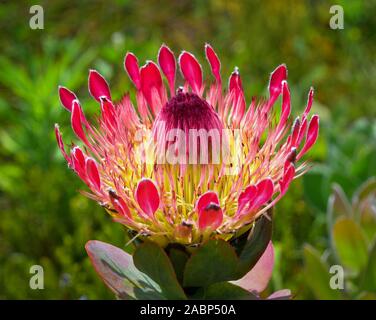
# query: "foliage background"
{"points": [[44, 220]]}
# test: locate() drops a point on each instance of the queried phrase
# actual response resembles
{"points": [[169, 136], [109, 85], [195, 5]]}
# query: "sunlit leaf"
{"points": [[117, 270], [256, 244], [215, 261], [150, 259], [369, 274]]}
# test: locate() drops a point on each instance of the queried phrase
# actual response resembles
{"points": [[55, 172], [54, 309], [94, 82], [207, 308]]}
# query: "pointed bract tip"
{"points": [[132, 69], [276, 77], [66, 97], [191, 71], [98, 85]]}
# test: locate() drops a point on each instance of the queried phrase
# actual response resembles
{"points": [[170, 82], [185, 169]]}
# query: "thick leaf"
{"points": [[338, 205], [364, 200], [118, 272], [350, 244], [224, 291], [258, 278], [369, 274], [367, 218], [317, 275], [153, 261], [220, 258], [255, 246], [215, 261], [178, 259], [365, 190]]}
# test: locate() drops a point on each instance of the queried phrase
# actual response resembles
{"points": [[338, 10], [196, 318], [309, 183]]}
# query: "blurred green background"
{"points": [[44, 220]]}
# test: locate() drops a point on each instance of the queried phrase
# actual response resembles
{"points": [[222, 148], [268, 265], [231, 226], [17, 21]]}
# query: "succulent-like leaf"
{"points": [[365, 190], [151, 259], [368, 281], [220, 257], [258, 278], [350, 244], [367, 218], [178, 259], [317, 275], [118, 272], [338, 205], [256, 245], [215, 261]]}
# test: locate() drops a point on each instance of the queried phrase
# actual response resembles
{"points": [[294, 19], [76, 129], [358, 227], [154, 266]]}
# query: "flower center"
{"points": [[188, 111], [188, 130]]}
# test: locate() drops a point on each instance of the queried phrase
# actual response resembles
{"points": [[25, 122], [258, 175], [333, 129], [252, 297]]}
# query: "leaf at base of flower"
{"points": [[215, 261], [153, 261], [178, 259], [258, 278], [255, 245], [119, 273]]}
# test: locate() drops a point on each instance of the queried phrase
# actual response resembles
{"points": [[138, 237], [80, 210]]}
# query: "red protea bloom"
{"points": [[123, 161]]}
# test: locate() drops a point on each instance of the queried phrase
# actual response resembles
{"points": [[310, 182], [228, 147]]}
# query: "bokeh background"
{"points": [[45, 221]]}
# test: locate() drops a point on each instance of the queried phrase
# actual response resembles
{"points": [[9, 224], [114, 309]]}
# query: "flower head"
{"points": [[188, 163]]}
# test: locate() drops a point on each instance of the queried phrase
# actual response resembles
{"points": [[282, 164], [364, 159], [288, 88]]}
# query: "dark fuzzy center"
{"points": [[188, 111]]}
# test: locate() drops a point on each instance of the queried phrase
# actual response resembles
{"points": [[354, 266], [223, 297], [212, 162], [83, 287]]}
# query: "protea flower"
{"points": [[133, 162]]}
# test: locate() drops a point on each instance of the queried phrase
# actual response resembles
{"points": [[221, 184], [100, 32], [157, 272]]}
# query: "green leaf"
{"points": [[215, 261], [317, 275], [256, 245], [367, 219], [369, 275], [153, 261], [224, 291], [365, 190], [350, 244], [338, 205], [178, 259], [118, 272]]}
